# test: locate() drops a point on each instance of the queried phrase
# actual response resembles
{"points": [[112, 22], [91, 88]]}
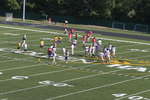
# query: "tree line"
{"points": [[119, 10]]}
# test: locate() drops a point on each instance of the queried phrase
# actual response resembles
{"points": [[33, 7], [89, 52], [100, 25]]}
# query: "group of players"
{"points": [[92, 47]]}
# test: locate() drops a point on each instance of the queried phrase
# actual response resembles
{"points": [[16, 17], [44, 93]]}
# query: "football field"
{"points": [[31, 76]]}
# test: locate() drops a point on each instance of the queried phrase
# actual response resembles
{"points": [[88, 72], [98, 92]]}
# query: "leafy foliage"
{"points": [[124, 10]]}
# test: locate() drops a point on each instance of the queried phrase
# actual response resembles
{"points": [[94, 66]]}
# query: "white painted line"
{"points": [[25, 29], [141, 92], [51, 72], [38, 86], [14, 68], [4, 54], [126, 41], [10, 61], [5, 80], [95, 88]]}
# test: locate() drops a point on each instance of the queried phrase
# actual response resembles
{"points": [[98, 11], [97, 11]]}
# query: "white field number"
{"points": [[127, 67], [130, 97], [56, 84], [19, 77]]}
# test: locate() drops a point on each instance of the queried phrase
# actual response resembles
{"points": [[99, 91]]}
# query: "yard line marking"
{"points": [[67, 69], [141, 57], [90, 76], [4, 54], [10, 60], [38, 86], [126, 41], [29, 66], [5, 80], [141, 92], [26, 29], [99, 87], [45, 73]]}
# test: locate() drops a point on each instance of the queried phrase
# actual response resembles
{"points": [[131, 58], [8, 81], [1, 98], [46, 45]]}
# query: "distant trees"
{"points": [[122, 10]]}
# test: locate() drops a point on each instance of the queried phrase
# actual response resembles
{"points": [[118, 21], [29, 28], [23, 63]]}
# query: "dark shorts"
{"points": [[66, 57]]}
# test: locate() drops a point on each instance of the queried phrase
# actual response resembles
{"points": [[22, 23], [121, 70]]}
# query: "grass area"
{"points": [[74, 80]]}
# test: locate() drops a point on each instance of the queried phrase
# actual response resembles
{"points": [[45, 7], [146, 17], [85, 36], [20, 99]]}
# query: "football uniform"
{"points": [[72, 49], [18, 45], [42, 44], [25, 47]]}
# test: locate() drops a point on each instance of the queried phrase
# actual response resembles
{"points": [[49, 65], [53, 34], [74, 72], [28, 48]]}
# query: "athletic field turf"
{"points": [[24, 77]]}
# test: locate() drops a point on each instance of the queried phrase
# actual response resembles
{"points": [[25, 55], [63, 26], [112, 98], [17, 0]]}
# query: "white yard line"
{"points": [[38, 86], [4, 53], [5, 80], [26, 29], [95, 88], [126, 41], [45, 73], [141, 92], [141, 57], [10, 61], [14, 68]]}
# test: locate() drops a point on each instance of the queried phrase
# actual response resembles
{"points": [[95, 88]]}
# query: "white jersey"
{"points": [[90, 50], [99, 42], [101, 54], [72, 49], [74, 42], [113, 51], [72, 46], [110, 47], [25, 46], [54, 54], [64, 50], [93, 50], [86, 49], [54, 49], [107, 53]]}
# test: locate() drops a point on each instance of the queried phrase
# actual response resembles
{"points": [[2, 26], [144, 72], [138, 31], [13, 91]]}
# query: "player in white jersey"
{"points": [[93, 50], [107, 56], [64, 50], [25, 47], [24, 37], [101, 55], [110, 47], [23, 43], [74, 42], [113, 51], [72, 49], [54, 58], [86, 50], [66, 31], [99, 41], [54, 48]]}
